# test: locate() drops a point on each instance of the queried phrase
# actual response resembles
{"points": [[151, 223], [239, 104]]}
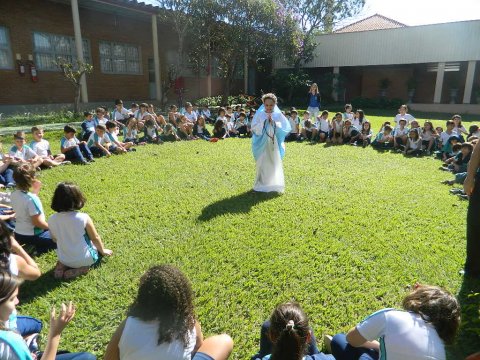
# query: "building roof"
{"points": [[374, 22]]}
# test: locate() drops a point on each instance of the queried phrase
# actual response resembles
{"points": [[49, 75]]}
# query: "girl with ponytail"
{"points": [[287, 336]]}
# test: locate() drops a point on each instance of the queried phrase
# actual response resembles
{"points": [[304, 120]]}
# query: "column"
{"points": [[437, 97], [79, 49], [156, 60], [467, 94], [336, 73]]}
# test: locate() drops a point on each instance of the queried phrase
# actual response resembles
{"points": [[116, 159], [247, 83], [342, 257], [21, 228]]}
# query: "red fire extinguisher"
{"points": [[33, 72], [21, 67]]}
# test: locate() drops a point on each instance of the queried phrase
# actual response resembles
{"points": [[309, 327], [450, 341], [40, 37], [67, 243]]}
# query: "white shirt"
{"points": [[25, 154], [407, 117], [444, 136], [191, 117], [74, 247], [94, 138], [402, 335], [66, 143], [119, 115], [25, 204], [415, 145], [139, 340], [400, 132], [41, 147], [322, 125]]}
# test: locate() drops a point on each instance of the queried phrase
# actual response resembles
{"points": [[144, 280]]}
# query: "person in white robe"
{"points": [[269, 129]]}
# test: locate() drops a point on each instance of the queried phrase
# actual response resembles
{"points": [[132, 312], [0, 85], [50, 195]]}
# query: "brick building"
{"points": [[118, 38]]}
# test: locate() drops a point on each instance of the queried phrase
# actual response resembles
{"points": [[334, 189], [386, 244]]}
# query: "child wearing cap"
{"points": [[21, 153]]}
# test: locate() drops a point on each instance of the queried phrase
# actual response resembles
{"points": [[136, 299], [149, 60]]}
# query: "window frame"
{"points": [[73, 53], [111, 44], [8, 48]]}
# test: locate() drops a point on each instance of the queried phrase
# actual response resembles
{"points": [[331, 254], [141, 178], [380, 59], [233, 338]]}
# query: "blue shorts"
{"points": [[201, 356]]}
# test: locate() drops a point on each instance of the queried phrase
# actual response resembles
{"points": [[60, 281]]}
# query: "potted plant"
{"points": [[411, 87], [384, 85]]}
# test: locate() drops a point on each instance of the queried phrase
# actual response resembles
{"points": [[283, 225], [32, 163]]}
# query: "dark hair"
{"points": [[165, 295], [387, 127], [118, 102], [87, 113], [456, 147], [110, 125], [459, 119], [289, 332], [450, 122], [24, 174], [221, 109], [468, 146], [149, 123], [188, 104], [100, 109], [19, 135], [362, 115], [437, 307], [134, 105], [8, 284], [402, 119], [339, 114], [144, 105], [5, 246], [348, 106], [242, 114], [324, 112], [218, 125], [473, 128], [67, 197], [101, 127], [69, 129]]}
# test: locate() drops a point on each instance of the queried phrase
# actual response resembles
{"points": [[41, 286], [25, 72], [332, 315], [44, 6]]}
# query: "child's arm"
{"points": [[39, 221], [113, 352], [100, 146], [96, 240], [27, 267]]}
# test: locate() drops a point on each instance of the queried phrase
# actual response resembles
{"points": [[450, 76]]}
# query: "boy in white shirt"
{"points": [[402, 114], [42, 148], [98, 142], [21, 153], [120, 114], [75, 150], [322, 128], [400, 134], [121, 147]]}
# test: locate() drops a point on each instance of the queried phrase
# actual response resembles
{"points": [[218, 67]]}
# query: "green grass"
{"points": [[353, 229]]}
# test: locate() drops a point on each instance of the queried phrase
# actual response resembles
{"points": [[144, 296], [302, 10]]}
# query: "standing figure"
{"points": [[269, 128]]}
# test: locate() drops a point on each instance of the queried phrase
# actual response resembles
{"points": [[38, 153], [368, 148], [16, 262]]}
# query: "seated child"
{"points": [[21, 153], [88, 125], [230, 126], [473, 130], [79, 247], [141, 114], [200, 130], [448, 150], [130, 131], [207, 114], [430, 319], [42, 148], [365, 135], [322, 128], [294, 124], [100, 118], [459, 129], [31, 228], [438, 141], [358, 119], [73, 149], [241, 125], [414, 144], [150, 132], [348, 114], [459, 162], [384, 139], [337, 129], [99, 143], [121, 147], [307, 130], [219, 131], [287, 335], [415, 126], [120, 114], [445, 135], [350, 133], [221, 115], [400, 134], [428, 137], [169, 134], [6, 171], [133, 108]]}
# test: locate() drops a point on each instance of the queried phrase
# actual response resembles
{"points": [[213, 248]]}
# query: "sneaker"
{"points": [[91, 160], [456, 191], [463, 196], [66, 162], [327, 343], [11, 185]]}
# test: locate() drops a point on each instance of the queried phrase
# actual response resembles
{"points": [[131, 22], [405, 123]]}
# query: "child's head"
{"points": [[100, 112], [450, 125], [88, 115], [427, 126], [69, 131], [111, 126], [229, 109], [347, 123], [118, 103], [134, 107], [19, 139], [143, 107], [414, 124], [386, 123], [360, 114], [131, 122], [366, 126], [456, 147], [307, 124], [100, 129], [221, 112], [165, 285], [466, 149], [413, 134], [218, 125], [168, 129], [37, 133], [348, 108], [338, 116], [324, 114], [188, 106], [437, 307], [237, 108], [403, 109], [306, 115], [151, 108], [228, 116], [402, 122], [269, 101], [24, 176], [149, 123], [439, 130], [67, 197], [242, 116], [201, 120], [457, 119], [387, 129], [289, 331], [473, 129], [173, 108], [8, 295]]}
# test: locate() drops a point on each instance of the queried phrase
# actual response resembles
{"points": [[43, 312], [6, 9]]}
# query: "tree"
{"points": [[73, 72]]}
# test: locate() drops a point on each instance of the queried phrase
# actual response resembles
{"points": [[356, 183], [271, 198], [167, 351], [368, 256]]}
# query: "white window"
{"points": [[5, 50], [49, 47], [117, 58]]}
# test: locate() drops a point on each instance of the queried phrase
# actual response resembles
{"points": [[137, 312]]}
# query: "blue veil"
{"points": [[259, 142]]}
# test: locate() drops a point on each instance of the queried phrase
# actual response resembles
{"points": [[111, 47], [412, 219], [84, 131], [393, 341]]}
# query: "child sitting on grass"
{"points": [[307, 130], [428, 137], [414, 144], [121, 147], [99, 143], [337, 129], [42, 148], [451, 147], [75, 150], [200, 130], [219, 131], [350, 133], [365, 136], [400, 134], [322, 128], [459, 162], [169, 134], [31, 228], [288, 336], [150, 132], [21, 153], [88, 125], [79, 247], [130, 131], [384, 139]]}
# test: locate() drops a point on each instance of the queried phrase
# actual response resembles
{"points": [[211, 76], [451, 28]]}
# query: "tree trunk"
{"points": [[76, 103]]}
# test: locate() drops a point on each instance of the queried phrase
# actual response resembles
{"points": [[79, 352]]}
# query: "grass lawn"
{"points": [[353, 229]]}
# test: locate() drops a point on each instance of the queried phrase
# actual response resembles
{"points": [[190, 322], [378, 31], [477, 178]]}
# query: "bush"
{"points": [[213, 101], [40, 119], [367, 103]]}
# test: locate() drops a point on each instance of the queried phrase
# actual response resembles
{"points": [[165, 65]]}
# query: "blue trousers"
{"points": [[342, 350], [266, 345], [27, 325], [42, 242], [6, 177], [80, 153]]}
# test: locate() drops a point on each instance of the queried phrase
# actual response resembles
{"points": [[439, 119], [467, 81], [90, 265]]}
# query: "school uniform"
{"points": [[79, 153], [41, 148], [88, 127], [94, 139], [121, 115], [150, 135], [25, 153], [385, 145], [201, 132], [415, 145], [349, 134], [130, 135]]}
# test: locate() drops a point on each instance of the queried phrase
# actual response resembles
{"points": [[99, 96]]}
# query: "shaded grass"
{"points": [[354, 227]]}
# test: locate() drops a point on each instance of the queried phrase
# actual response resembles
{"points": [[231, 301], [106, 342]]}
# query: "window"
{"points": [[117, 58], [48, 47], [5, 50]]}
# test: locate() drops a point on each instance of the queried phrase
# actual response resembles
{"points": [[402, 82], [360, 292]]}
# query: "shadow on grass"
{"points": [[43, 285], [238, 204], [468, 338]]}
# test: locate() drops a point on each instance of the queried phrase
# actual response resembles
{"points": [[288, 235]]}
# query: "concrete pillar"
{"points": [[437, 97], [467, 94], [156, 60], [336, 72], [79, 49]]}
